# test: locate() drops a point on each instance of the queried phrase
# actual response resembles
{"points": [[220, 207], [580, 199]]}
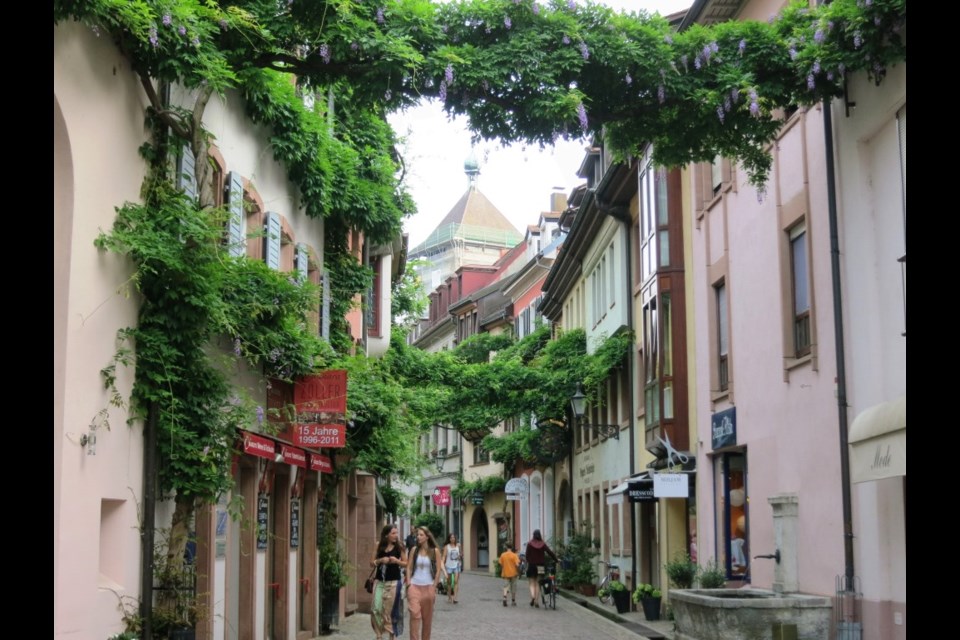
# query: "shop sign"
{"points": [[477, 498], [723, 428], [640, 491], [321, 393], [513, 496], [263, 520], [296, 457], [294, 523], [441, 496], [258, 446], [516, 485], [320, 435], [671, 485], [323, 464]]}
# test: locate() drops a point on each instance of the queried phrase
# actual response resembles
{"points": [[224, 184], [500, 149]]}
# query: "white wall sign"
{"points": [[516, 485], [671, 485]]}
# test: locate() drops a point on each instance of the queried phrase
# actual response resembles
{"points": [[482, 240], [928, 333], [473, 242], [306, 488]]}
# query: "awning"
{"points": [[618, 495], [878, 442]]}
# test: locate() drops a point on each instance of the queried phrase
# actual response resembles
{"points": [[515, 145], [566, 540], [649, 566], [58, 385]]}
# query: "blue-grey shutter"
{"points": [[236, 238], [271, 240], [325, 308], [187, 172], [302, 256]]}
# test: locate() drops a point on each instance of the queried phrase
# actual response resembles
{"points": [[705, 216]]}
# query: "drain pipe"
{"points": [[845, 490], [149, 521]]}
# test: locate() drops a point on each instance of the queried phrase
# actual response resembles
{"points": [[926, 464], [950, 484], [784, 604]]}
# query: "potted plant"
{"points": [[712, 576], [621, 597], [649, 598], [681, 571], [579, 567]]}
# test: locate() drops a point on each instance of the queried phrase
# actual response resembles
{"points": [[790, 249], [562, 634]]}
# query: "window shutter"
{"points": [[325, 308], [187, 172], [271, 240], [301, 262], [236, 236]]}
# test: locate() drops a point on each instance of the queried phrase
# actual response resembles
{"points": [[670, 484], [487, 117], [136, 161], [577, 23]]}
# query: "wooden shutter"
{"points": [[325, 308], [186, 172], [236, 237], [271, 240], [300, 260]]}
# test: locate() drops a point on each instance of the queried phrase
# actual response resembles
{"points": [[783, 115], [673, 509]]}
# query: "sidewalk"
{"points": [[634, 621]]}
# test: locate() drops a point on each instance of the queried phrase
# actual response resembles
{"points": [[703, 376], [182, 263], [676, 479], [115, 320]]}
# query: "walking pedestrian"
{"points": [[411, 541], [452, 564], [389, 557], [509, 570], [537, 552], [424, 572]]}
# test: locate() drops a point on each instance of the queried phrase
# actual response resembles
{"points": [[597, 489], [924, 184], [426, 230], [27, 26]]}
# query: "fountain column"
{"points": [[786, 508]]}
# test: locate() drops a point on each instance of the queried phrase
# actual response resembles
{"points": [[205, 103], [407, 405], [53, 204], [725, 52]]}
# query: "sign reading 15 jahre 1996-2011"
{"points": [[321, 405]]}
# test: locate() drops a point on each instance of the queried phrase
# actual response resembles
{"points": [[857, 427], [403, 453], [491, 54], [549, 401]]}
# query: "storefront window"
{"points": [[731, 498]]}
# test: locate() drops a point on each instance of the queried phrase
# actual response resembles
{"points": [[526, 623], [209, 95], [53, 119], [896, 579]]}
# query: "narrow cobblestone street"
{"points": [[480, 616]]}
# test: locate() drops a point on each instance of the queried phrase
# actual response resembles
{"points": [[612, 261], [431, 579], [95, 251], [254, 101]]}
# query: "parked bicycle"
{"points": [[548, 586], [613, 573]]}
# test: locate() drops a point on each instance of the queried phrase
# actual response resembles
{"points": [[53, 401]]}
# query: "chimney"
{"points": [[558, 200]]}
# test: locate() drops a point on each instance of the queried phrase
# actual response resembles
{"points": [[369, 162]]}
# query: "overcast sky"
{"points": [[518, 180]]}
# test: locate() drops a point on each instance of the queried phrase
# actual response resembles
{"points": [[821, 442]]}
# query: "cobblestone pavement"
{"points": [[480, 616]]}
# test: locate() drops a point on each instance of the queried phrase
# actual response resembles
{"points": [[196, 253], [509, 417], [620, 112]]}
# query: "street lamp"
{"points": [[578, 402], [439, 458]]}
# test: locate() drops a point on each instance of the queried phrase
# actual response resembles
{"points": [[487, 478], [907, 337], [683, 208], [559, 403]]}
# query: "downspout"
{"points": [[149, 521], [622, 215], [845, 491]]}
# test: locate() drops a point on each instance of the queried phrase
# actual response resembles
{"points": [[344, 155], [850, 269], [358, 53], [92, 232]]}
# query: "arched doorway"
{"points": [[566, 513], [481, 538]]}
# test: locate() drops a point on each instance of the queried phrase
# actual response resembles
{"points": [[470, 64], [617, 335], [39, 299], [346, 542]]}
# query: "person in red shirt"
{"points": [[537, 552]]}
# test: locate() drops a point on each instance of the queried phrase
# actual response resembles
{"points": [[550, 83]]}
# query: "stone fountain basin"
{"points": [[747, 614]]}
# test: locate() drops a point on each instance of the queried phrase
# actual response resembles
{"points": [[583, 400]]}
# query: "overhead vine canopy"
{"points": [[525, 69]]}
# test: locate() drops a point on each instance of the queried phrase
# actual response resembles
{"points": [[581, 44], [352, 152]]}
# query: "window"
{"points": [[480, 455], [651, 365], [801, 291], [716, 174], [733, 535], [723, 338]]}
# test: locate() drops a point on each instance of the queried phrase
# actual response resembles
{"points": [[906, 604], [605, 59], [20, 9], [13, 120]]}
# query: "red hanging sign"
{"points": [[293, 456], [441, 496], [321, 393], [258, 446], [323, 464], [320, 435]]}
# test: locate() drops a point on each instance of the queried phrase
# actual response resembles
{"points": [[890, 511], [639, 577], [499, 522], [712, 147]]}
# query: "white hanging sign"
{"points": [[671, 485]]}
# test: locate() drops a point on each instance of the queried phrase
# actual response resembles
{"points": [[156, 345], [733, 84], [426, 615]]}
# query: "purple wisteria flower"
{"points": [[754, 103], [661, 93], [448, 74], [628, 79], [706, 53], [876, 20], [443, 91], [387, 94], [715, 47], [236, 346], [683, 61], [668, 39], [224, 24], [182, 30], [380, 19], [153, 37], [582, 116], [878, 68], [507, 22], [274, 355], [869, 3], [696, 62], [842, 68], [584, 51], [830, 76], [857, 40], [260, 414], [816, 67], [735, 95], [536, 9], [721, 113], [830, 25], [742, 47], [811, 82], [565, 39], [818, 36], [793, 53], [167, 19], [95, 29], [354, 46], [325, 53], [571, 5], [761, 193], [195, 41]]}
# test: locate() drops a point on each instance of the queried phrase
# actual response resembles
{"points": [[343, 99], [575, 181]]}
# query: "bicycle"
{"points": [[613, 573], [548, 586]]}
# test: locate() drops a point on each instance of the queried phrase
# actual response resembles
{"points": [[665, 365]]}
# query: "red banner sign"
{"points": [[322, 393], [258, 446], [441, 496], [320, 435], [293, 456], [323, 464]]}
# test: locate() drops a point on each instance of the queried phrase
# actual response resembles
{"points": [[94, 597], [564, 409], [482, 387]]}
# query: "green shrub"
{"points": [[432, 521], [681, 571], [712, 576]]}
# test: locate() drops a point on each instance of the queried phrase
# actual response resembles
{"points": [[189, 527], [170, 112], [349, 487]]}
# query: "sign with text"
{"points": [[296, 457], [321, 393], [641, 491], [320, 435], [323, 464], [441, 496], [516, 485], [723, 428], [294, 523], [263, 521], [477, 498], [258, 446], [671, 485]]}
